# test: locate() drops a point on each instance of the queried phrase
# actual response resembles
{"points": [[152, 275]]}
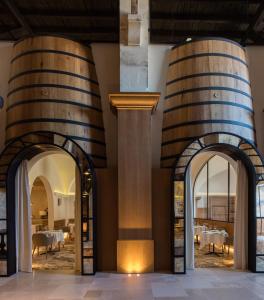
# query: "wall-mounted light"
{"points": [[84, 227]]}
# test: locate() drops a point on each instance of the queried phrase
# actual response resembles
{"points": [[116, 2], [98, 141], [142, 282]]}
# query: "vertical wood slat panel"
{"points": [[53, 86], [208, 90]]}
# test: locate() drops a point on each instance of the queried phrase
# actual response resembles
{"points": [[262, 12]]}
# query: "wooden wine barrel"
{"points": [[53, 87], [208, 90]]}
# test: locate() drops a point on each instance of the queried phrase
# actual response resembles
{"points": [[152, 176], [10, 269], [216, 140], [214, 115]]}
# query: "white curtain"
{"points": [[77, 220], [189, 221], [23, 219], [241, 219]]}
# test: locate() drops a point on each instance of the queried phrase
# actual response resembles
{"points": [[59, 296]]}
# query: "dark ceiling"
{"points": [[172, 21]]}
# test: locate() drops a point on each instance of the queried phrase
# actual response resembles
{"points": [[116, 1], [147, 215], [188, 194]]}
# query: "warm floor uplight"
{"points": [[130, 275]]}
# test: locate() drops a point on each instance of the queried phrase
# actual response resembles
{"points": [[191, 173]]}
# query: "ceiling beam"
{"points": [[75, 13], [219, 18], [6, 29], [168, 33], [74, 29], [215, 1], [257, 18], [18, 16]]}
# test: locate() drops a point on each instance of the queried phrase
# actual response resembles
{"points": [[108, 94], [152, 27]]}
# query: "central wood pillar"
{"points": [[135, 247]]}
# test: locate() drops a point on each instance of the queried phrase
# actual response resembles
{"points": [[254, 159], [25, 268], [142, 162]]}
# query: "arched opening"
{"points": [[26, 148], [214, 178], [53, 212], [233, 148]]}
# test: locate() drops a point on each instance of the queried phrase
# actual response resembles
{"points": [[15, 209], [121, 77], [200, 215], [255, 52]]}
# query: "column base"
{"points": [[135, 256]]}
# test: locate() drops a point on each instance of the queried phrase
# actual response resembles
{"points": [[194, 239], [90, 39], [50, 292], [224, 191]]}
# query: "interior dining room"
{"points": [[52, 202], [215, 190], [45, 221]]}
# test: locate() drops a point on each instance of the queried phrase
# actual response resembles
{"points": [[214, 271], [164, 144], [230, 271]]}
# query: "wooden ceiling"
{"points": [[171, 22], [84, 20]]}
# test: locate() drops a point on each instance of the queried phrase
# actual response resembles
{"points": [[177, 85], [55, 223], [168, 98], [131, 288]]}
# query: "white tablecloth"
{"points": [[58, 235], [198, 229], [71, 226], [216, 237], [260, 244]]}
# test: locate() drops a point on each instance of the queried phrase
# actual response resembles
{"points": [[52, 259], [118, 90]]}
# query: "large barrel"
{"points": [[53, 87], [208, 90]]}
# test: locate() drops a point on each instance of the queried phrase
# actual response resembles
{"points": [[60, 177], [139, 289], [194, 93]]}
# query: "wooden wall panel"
{"points": [[107, 207], [134, 174], [208, 90], [53, 87], [161, 214]]}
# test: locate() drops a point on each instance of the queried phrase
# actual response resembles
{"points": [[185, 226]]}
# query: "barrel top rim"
{"points": [[197, 39], [53, 35]]}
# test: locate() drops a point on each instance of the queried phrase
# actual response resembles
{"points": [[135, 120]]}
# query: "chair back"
{"points": [[41, 239]]}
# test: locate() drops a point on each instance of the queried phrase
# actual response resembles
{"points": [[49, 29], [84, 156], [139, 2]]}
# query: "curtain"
{"points": [[241, 219], [23, 218], [77, 220], [189, 221]]}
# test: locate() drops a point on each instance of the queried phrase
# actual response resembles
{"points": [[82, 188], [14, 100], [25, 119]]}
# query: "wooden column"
{"points": [[135, 247]]}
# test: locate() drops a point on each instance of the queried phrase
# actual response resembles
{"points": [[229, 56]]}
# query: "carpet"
{"points": [[56, 260], [202, 260]]}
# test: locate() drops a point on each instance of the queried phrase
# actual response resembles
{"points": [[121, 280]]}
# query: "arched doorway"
{"points": [[217, 216], [26, 147], [237, 148]]}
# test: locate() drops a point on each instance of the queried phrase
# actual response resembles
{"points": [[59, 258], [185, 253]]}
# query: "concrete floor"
{"points": [[201, 284]]}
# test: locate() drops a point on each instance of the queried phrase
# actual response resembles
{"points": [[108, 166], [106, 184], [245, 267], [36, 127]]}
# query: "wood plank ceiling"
{"points": [[172, 21]]}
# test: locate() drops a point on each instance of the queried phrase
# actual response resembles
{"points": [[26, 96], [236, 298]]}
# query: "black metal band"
{"points": [[207, 54], [199, 122], [97, 156], [209, 88], [53, 101], [84, 139], [197, 39], [186, 139], [50, 120], [53, 52], [219, 74], [33, 71], [212, 102], [46, 85], [169, 157]]}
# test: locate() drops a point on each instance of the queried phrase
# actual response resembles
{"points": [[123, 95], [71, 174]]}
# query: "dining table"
{"points": [[213, 237], [58, 236], [198, 229]]}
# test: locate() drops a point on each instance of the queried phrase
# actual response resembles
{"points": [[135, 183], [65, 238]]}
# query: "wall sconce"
{"points": [[85, 227]]}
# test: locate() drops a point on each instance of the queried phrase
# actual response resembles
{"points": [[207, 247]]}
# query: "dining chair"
{"points": [[41, 240]]}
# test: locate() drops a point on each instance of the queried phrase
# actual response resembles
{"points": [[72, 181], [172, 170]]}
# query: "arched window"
{"points": [[215, 191]]}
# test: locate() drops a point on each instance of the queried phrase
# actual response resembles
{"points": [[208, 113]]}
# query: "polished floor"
{"points": [[201, 284]]}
